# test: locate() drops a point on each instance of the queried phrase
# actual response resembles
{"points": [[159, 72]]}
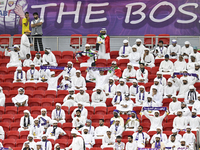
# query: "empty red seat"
{"points": [[46, 102], [17, 39], [9, 143], [123, 62], [110, 109], [76, 41], [58, 100], [11, 70], [100, 110], [49, 109], [5, 40], [62, 62], [23, 134], [11, 110], [67, 54], [137, 109], [38, 94], [146, 126], [165, 38], [3, 70], [101, 63], [150, 40], [96, 118], [72, 109], [168, 133], [90, 85], [170, 118], [168, 126], [2, 109], [36, 110], [58, 54], [62, 93], [41, 86], [17, 117], [14, 126], [98, 143], [7, 118], [8, 78], [67, 126], [125, 134], [5, 126], [50, 94], [90, 110], [166, 101], [30, 86], [34, 102], [62, 143], [21, 109], [65, 108], [20, 142], [108, 102], [107, 118], [154, 70], [17, 85], [92, 39], [12, 135], [68, 117], [114, 54]]}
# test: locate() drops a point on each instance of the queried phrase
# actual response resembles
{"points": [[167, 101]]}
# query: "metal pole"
{"points": [[33, 42], [57, 43]]}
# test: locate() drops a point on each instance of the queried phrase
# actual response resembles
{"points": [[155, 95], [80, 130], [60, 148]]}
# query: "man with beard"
{"points": [[116, 116], [172, 142], [196, 105], [45, 144], [177, 136], [26, 146], [169, 89], [98, 98], [37, 60], [90, 127], [69, 99], [189, 137], [162, 80], [110, 88], [142, 74], [54, 131], [125, 50], [174, 50], [194, 121], [134, 89], [39, 146], [131, 145], [36, 130], [134, 57], [36, 26], [157, 96], [31, 143], [100, 131], [83, 97], [20, 99], [70, 70], [166, 66], [141, 96], [158, 86], [149, 103], [184, 87], [78, 121], [58, 114], [117, 99], [132, 122], [174, 106], [88, 138], [180, 64], [139, 46], [78, 142], [19, 75], [183, 145], [191, 96], [147, 58], [44, 120], [129, 73], [116, 129], [49, 58], [84, 112], [180, 122], [15, 57], [119, 145], [122, 86], [32, 74], [158, 143], [108, 139], [26, 121], [160, 51], [186, 50], [185, 110], [78, 81], [163, 136], [57, 147]]}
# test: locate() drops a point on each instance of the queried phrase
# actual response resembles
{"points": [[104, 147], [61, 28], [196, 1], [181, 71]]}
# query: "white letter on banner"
{"points": [[194, 16], [76, 12], [167, 17], [43, 8], [90, 12], [138, 12]]}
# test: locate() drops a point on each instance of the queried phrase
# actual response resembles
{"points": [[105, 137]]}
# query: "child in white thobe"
{"points": [[27, 62]]}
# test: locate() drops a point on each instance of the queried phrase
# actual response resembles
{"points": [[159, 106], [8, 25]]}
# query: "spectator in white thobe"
{"points": [[131, 145], [44, 120], [185, 110], [25, 44], [78, 81], [166, 66], [46, 144], [169, 89], [83, 97], [108, 139], [100, 131], [197, 105], [180, 64], [156, 120], [141, 96], [134, 89], [147, 58], [49, 58], [194, 121], [53, 81], [117, 98], [84, 112], [65, 83], [20, 99], [122, 86], [160, 51], [2, 133], [183, 145], [191, 96], [45, 74], [129, 73], [158, 86], [110, 88], [88, 138], [186, 50], [36, 129], [90, 127], [142, 74], [172, 142], [70, 70], [139, 46], [134, 57], [26, 121], [31, 142], [189, 137], [2, 97], [180, 122], [157, 97], [176, 135], [54, 131], [132, 122], [150, 103], [191, 64], [78, 121], [58, 114], [162, 80], [19, 75], [98, 98], [69, 100], [126, 105], [174, 50], [124, 51], [184, 87], [163, 136], [33, 74], [196, 54], [116, 129], [15, 57], [115, 117], [37, 60], [27, 62], [174, 106]]}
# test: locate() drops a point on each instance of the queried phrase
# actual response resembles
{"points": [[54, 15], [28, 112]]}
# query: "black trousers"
{"points": [[38, 41]]}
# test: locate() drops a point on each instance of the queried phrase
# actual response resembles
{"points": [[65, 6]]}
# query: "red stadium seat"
{"points": [[114, 54], [7, 118], [158, 61], [41, 86], [58, 54], [165, 38], [12, 135], [98, 143], [95, 148], [154, 70], [68, 117], [96, 118], [109, 62], [101, 63], [12, 93], [110, 109], [67, 55], [170, 118], [30, 86], [72, 109], [14, 126], [62, 143], [11, 110], [1, 54], [50, 94], [11, 70], [49, 109], [168, 126], [20, 142], [9, 143], [123, 62], [6, 86], [62, 93], [76, 41], [76, 64], [92, 39], [108, 102], [38, 94], [137, 109], [8, 78], [3, 63], [62, 62], [17, 117], [23, 134], [17, 85], [166, 101], [100, 110], [90, 85], [107, 118], [5, 126], [46, 102], [145, 119], [67, 126], [21, 109], [34, 102], [16, 39], [3, 71], [36, 110], [5, 40], [125, 134], [149, 40], [146, 126], [90, 110], [151, 77], [168, 133], [2, 109], [58, 100]]}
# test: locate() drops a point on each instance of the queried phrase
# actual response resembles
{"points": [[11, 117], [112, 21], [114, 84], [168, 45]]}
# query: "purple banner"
{"points": [[120, 17]]}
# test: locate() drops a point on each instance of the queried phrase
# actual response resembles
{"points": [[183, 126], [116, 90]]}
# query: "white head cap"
{"points": [[32, 64], [111, 78], [146, 49], [16, 46], [159, 72], [134, 46], [114, 62], [74, 131], [55, 145], [36, 119], [157, 136], [69, 62], [194, 110], [121, 79], [103, 29], [156, 79], [138, 40], [188, 127], [87, 45], [134, 80], [43, 109], [141, 86], [117, 119], [78, 71], [191, 87], [149, 95], [182, 140], [39, 143], [187, 42], [125, 41], [44, 135], [174, 41], [19, 68], [30, 135], [108, 130], [58, 104], [53, 121], [26, 111], [174, 130]]}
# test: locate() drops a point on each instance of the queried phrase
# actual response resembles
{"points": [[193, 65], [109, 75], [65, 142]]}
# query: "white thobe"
{"points": [[129, 104], [90, 76], [178, 137], [26, 123], [124, 52], [77, 143], [183, 148], [180, 123], [194, 123], [58, 114], [37, 62], [43, 120], [169, 90], [162, 81], [89, 140], [190, 96], [32, 145], [190, 139], [50, 58], [112, 120], [99, 131], [141, 98], [191, 80], [134, 58], [90, 130], [46, 144], [132, 123], [127, 74], [27, 62], [158, 98], [140, 48], [84, 112], [186, 112], [2, 98], [25, 46], [134, 91], [15, 58], [124, 88], [110, 89], [53, 82], [35, 73], [20, 99], [106, 140], [185, 50], [84, 98], [155, 121], [58, 131], [163, 138], [44, 74], [98, 99], [176, 49], [191, 66], [148, 60], [70, 72], [179, 66], [183, 89], [2, 133], [196, 106], [69, 102], [102, 49], [166, 66], [78, 121], [140, 75], [65, 85], [150, 104], [162, 51], [197, 55], [78, 81], [141, 139], [172, 144], [174, 107], [131, 146], [116, 130], [159, 87], [36, 131], [117, 99]]}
